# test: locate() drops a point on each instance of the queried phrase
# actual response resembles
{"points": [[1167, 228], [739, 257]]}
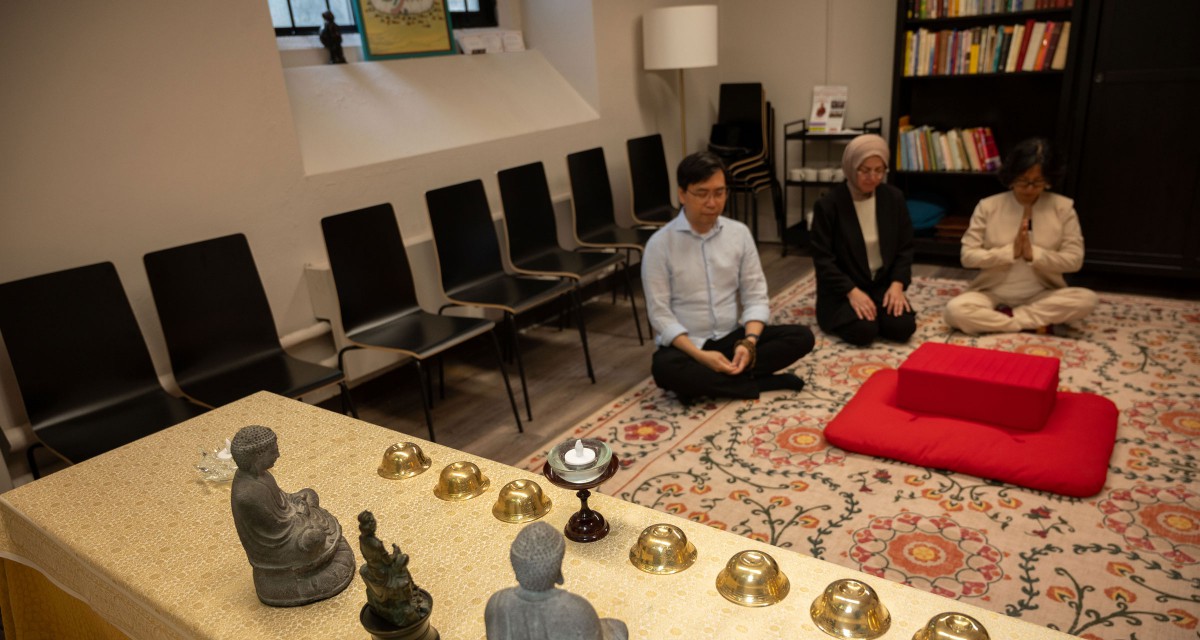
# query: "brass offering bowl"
{"points": [[662, 549], [461, 481], [952, 626], [521, 501], [403, 460], [850, 609], [752, 579]]}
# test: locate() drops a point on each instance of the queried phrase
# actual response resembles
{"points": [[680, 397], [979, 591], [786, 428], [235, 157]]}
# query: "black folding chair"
{"points": [[82, 365], [650, 181], [472, 273], [592, 204], [378, 299], [533, 245], [219, 328]]}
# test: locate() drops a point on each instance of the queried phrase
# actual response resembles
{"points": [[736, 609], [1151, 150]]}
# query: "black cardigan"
{"points": [[840, 254]]}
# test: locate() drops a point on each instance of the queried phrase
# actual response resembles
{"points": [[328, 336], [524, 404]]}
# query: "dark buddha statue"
{"points": [[295, 547]]}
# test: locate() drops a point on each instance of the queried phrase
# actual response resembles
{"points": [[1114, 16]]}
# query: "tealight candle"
{"points": [[579, 455]]}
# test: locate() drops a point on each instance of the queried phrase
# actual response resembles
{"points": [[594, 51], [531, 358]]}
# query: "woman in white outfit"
{"points": [[1024, 240]]}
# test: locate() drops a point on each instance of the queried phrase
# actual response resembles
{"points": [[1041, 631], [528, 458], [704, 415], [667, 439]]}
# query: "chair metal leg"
{"points": [[425, 398], [516, 350], [427, 385], [441, 365], [637, 322], [347, 401], [507, 385], [33, 467], [587, 355]]}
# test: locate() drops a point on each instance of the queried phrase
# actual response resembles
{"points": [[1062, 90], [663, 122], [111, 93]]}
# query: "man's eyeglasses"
{"points": [[704, 194], [1026, 184], [878, 172]]}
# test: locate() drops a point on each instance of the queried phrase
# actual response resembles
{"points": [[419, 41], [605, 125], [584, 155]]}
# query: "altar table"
{"points": [[149, 549]]}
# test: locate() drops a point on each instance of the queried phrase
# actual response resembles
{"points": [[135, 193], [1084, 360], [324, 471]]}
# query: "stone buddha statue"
{"points": [[537, 610], [295, 547]]}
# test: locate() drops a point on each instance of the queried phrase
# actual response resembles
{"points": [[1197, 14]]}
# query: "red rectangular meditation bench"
{"points": [[1012, 390]]}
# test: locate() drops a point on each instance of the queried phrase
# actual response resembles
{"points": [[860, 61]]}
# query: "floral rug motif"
{"points": [[1122, 564]]}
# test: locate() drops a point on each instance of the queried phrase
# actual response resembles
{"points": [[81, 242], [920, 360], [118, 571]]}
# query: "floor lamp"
{"points": [[680, 38]]}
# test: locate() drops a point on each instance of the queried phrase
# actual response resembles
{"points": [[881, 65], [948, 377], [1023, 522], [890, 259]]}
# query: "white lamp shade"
{"points": [[680, 37]]}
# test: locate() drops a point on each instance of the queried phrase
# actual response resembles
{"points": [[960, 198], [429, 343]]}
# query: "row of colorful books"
{"points": [[930, 9], [1033, 46], [924, 149]]}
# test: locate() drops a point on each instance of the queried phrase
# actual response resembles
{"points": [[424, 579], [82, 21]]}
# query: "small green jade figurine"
{"points": [[396, 608]]}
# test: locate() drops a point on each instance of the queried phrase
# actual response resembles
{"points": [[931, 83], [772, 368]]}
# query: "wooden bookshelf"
{"points": [[1015, 104]]}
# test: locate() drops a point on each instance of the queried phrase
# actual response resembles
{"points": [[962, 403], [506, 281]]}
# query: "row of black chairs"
{"points": [[87, 379], [85, 373]]}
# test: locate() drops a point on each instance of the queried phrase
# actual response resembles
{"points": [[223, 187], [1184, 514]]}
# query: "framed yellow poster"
{"points": [[403, 28]]}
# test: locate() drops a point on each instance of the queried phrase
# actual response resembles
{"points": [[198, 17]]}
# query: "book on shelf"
{"points": [[1060, 53], [1047, 36], [993, 151], [1035, 41], [1052, 46]]}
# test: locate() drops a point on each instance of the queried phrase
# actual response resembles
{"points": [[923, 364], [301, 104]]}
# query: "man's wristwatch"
{"points": [[752, 335]]}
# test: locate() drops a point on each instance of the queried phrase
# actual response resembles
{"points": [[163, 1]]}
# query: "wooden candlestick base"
{"points": [[585, 525]]}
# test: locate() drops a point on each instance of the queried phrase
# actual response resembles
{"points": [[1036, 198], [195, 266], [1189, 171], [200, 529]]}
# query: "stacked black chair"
{"points": [[650, 181], [82, 365], [219, 328], [533, 245], [378, 301], [742, 137], [472, 272]]}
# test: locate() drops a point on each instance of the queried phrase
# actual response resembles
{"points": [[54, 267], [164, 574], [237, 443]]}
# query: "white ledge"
{"points": [[358, 114]]}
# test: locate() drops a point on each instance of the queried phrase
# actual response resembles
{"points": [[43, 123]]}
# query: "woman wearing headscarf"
{"points": [[862, 246], [1024, 240]]}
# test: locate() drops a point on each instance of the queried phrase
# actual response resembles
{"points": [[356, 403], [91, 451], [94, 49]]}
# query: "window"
{"points": [[303, 17]]}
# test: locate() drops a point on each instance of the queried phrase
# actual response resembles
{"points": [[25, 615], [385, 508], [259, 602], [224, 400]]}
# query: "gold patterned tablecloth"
{"points": [[152, 548]]}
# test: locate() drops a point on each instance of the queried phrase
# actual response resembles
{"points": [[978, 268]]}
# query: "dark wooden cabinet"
{"points": [[1015, 105], [1135, 169]]}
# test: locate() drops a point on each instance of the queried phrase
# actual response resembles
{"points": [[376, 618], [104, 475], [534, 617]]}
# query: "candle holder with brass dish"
{"points": [[521, 501], [662, 549], [461, 481], [752, 579], [850, 609], [952, 626], [403, 460], [581, 465]]}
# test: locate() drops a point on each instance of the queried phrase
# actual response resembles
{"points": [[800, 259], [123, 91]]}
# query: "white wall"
{"points": [[132, 126], [791, 46]]}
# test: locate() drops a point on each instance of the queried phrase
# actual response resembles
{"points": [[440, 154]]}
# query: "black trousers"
{"points": [[778, 347], [863, 332]]}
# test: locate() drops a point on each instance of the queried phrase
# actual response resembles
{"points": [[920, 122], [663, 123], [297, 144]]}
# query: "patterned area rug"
{"points": [[1122, 564]]}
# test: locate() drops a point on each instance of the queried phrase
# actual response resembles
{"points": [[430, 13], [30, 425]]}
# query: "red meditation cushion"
{"points": [[1007, 389], [1068, 455]]}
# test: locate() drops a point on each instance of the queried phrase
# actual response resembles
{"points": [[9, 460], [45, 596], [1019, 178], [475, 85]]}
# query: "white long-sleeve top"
{"points": [[1056, 238]]}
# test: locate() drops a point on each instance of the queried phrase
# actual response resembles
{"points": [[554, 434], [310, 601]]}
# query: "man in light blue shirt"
{"points": [[698, 272]]}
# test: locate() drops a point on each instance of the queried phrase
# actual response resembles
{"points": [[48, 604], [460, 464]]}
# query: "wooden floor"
{"points": [[475, 415]]}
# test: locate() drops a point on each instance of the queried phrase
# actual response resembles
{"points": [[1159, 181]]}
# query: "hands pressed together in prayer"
{"points": [[1023, 244], [894, 301]]}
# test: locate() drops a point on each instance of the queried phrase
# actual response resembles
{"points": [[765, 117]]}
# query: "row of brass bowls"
{"points": [[519, 500], [846, 609]]}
